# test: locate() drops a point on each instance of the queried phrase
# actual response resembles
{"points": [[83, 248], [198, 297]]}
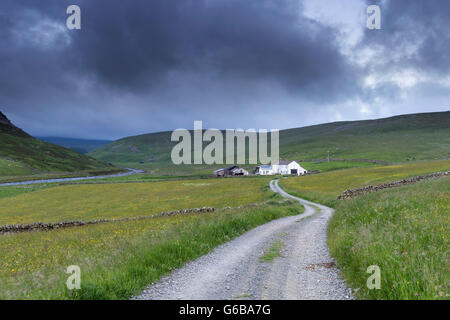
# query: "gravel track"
{"points": [[304, 270]]}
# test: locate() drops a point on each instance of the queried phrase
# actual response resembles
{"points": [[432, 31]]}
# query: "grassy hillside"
{"points": [[398, 139], [13, 168], [403, 138], [404, 231], [21, 154]]}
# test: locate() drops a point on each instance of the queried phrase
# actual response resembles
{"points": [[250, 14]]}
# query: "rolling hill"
{"points": [[402, 138], [82, 146], [21, 154]]}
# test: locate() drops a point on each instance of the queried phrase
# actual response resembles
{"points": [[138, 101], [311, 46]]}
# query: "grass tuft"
{"points": [[274, 251]]}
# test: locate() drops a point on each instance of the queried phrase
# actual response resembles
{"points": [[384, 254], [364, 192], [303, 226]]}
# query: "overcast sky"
{"points": [[144, 65]]}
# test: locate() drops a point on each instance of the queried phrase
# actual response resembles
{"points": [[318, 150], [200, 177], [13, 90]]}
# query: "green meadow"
{"points": [[324, 188], [118, 200], [402, 230], [324, 166], [120, 259]]}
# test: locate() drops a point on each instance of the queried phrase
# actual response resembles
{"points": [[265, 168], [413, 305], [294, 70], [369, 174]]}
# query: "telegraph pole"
{"points": [[328, 155]]}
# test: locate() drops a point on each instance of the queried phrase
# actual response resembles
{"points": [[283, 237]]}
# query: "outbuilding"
{"points": [[230, 171]]}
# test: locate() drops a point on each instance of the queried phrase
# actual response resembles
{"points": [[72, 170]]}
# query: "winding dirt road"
{"points": [[234, 270]]}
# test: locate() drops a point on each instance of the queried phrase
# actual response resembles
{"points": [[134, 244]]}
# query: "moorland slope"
{"points": [[22, 154], [412, 137]]}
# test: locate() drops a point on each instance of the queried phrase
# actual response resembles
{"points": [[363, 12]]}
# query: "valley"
{"points": [[236, 153], [399, 139], [403, 229], [23, 157]]}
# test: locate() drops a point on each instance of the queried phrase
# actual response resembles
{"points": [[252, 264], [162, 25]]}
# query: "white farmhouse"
{"points": [[265, 170], [283, 167]]}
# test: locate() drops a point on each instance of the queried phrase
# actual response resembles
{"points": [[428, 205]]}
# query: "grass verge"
{"points": [[404, 231]]}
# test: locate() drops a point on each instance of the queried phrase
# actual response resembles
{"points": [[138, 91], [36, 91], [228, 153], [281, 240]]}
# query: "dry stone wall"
{"points": [[41, 226], [356, 192]]}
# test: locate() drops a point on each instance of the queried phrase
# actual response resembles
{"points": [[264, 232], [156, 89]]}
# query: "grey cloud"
{"points": [[135, 45], [420, 23], [140, 66]]}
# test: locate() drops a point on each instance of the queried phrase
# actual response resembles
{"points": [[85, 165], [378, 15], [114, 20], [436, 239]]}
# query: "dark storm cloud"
{"points": [[32, 60], [136, 44], [166, 48], [420, 25], [140, 66]]}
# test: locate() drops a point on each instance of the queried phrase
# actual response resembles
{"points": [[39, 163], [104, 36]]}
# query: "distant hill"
{"points": [[82, 146], [423, 136], [403, 138], [21, 154]]}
